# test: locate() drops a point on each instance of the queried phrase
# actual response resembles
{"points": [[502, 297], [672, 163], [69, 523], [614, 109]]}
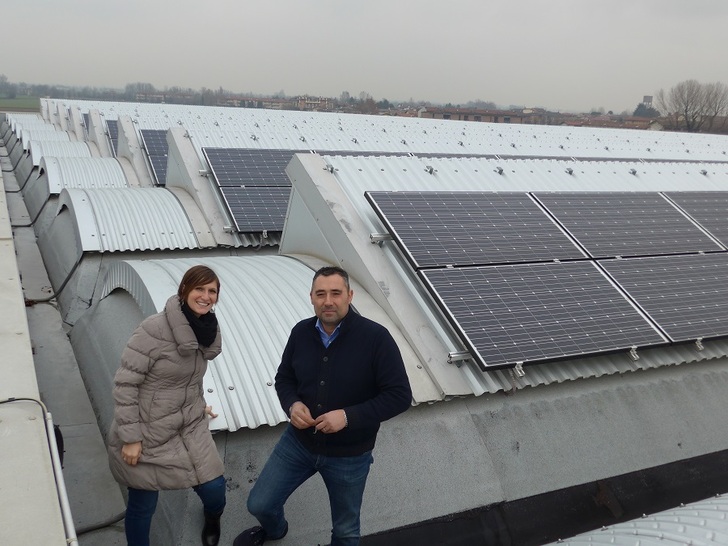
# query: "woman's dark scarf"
{"points": [[204, 326]]}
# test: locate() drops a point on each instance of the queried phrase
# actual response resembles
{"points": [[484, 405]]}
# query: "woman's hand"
{"points": [[130, 453], [208, 411]]}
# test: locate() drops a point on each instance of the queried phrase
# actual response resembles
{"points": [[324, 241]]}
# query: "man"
{"points": [[340, 376]]}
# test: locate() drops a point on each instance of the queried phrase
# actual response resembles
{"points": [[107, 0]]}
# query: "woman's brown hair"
{"points": [[197, 275]]}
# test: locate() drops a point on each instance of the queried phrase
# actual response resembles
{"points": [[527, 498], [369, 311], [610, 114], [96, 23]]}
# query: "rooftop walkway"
{"points": [[41, 386]]}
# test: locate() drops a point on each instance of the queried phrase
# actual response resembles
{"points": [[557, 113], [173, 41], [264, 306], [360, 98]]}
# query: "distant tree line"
{"points": [[688, 106], [694, 107]]}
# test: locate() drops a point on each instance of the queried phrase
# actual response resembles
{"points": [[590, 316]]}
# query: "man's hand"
{"points": [[208, 411], [331, 422], [301, 416], [130, 453]]}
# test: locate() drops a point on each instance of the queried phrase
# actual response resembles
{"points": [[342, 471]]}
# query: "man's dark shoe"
{"points": [[211, 530], [255, 536]]}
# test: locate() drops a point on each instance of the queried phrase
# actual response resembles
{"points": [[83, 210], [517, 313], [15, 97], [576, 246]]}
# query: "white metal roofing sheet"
{"points": [[18, 120], [329, 131], [54, 148], [701, 523], [115, 219], [82, 172], [261, 299], [43, 134]]}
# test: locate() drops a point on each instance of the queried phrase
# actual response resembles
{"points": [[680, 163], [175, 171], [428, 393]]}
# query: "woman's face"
{"points": [[202, 298]]}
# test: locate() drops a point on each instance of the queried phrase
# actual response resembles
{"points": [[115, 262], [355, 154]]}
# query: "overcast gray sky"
{"points": [[560, 54]]}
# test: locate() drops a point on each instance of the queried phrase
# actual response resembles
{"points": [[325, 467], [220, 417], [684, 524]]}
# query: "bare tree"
{"points": [[716, 106], [692, 106]]}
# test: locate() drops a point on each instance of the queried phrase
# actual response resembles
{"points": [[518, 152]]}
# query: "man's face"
{"points": [[330, 300]]}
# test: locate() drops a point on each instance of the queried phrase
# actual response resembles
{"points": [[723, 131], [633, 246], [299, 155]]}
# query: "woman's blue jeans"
{"points": [[142, 504], [289, 466]]}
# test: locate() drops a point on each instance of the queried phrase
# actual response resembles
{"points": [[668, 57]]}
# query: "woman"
{"points": [[160, 437]]}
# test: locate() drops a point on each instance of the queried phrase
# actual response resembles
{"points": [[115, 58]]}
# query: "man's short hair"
{"points": [[329, 270]]}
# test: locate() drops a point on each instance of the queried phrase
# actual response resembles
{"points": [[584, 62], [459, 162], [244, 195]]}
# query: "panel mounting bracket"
{"points": [[518, 368], [633, 353], [457, 357], [699, 344], [379, 238]]}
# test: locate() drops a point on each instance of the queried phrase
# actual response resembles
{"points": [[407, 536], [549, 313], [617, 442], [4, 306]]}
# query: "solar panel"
{"points": [[470, 228], [242, 167], [709, 209], [626, 223], [113, 129], [687, 296], [258, 208], [155, 142], [525, 313]]}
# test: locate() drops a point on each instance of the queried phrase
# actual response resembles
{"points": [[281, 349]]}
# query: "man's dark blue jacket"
{"points": [[360, 372]]}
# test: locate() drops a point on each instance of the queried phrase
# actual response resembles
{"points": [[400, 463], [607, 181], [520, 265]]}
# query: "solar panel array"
{"points": [[113, 128], [527, 278], [626, 223], [471, 228], [243, 167], [86, 123], [532, 312], [254, 185], [155, 142], [710, 209], [258, 208], [686, 295]]}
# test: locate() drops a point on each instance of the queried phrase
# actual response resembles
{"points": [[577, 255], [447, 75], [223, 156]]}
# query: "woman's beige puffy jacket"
{"points": [[158, 400]]}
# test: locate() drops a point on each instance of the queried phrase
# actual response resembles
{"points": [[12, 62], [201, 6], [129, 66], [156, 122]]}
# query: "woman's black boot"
{"points": [[211, 530]]}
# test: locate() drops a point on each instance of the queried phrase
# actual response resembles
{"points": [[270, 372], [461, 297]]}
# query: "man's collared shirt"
{"points": [[326, 338]]}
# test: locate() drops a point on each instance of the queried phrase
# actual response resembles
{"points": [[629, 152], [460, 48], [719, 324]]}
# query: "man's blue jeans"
{"points": [[142, 504], [289, 466]]}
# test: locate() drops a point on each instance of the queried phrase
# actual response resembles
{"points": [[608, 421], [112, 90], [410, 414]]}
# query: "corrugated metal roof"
{"points": [[329, 131], [17, 121], [114, 219], [42, 134], [381, 173], [261, 299], [700, 523], [82, 172], [54, 148], [227, 127]]}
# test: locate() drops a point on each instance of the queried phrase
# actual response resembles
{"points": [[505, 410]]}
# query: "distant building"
{"points": [[315, 104], [165, 98], [472, 114], [257, 102]]}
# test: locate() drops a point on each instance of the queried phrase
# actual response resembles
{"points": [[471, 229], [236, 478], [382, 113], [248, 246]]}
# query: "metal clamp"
{"points": [[457, 357], [378, 238]]}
